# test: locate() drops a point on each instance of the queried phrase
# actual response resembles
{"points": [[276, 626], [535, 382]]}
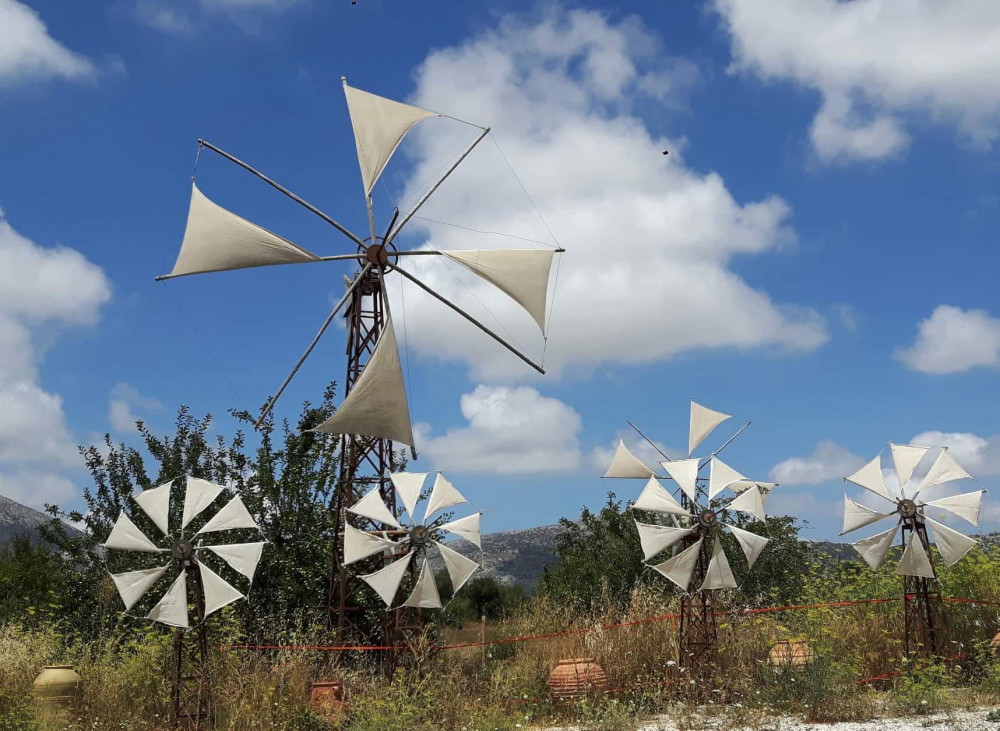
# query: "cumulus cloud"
{"points": [[829, 461], [39, 288], [650, 240], [953, 340], [508, 431], [28, 52], [125, 400], [188, 16], [875, 62]]}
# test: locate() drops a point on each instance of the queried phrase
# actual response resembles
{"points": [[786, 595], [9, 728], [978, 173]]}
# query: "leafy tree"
{"points": [[31, 582]]}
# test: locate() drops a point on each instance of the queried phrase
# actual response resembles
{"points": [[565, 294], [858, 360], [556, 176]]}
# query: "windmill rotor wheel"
{"points": [[707, 518], [378, 253], [907, 508], [183, 551]]}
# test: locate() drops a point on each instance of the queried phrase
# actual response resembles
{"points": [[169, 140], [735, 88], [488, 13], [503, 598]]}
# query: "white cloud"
{"points": [[953, 340], [647, 274], [28, 52], [875, 62], [162, 16], [508, 431], [122, 406], [39, 288], [829, 461], [979, 456], [184, 18]]}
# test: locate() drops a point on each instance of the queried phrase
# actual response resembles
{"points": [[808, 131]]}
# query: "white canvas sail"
{"points": [[679, 568], [951, 544], [521, 274], [685, 473], [359, 545], [751, 543], [467, 528], [376, 406], [133, 584], [198, 495], [379, 126], [857, 516], [425, 594], [233, 514], [718, 575], [914, 561], [372, 507], [965, 506], [408, 486], [443, 495], [386, 581], [126, 536], [874, 549], [460, 568], [626, 464], [905, 459], [870, 477], [945, 469], [655, 538], [703, 421], [155, 502], [243, 557], [721, 476], [172, 609], [218, 591], [656, 499], [749, 501], [217, 240]]}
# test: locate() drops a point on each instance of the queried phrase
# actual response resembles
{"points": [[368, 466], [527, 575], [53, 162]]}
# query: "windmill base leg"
{"points": [[189, 692], [697, 632], [925, 625]]}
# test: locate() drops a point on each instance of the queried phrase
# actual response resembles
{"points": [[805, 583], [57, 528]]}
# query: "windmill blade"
{"points": [[657, 500], [626, 464], [243, 557], [460, 567], [359, 545], [874, 549], [751, 543], [945, 469], [467, 528], [218, 591], [376, 406], [155, 502], [172, 609], [749, 501], [685, 473], [679, 568], [372, 507], [719, 575], [234, 514], [408, 486], [217, 240], [965, 505], [857, 516], [655, 538], [703, 422], [386, 580], [951, 544], [379, 126], [425, 593], [721, 476], [443, 495], [905, 459], [132, 585], [521, 274], [198, 495], [870, 477], [914, 561], [126, 536]]}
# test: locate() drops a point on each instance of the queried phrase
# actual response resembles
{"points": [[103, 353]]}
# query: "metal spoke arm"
{"points": [[286, 191], [470, 318], [326, 323]]}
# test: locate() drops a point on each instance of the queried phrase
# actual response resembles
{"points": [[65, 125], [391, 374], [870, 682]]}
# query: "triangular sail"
{"points": [[719, 575], [626, 464], [460, 567], [155, 502], [172, 609], [874, 549], [751, 543], [372, 507], [243, 557], [905, 459], [217, 240], [857, 516], [721, 476], [749, 501], [914, 561], [679, 568], [233, 514], [126, 536], [870, 477], [359, 545], [386, 581], [965, 506], [443, 495], [198, 495], [703, 421], [376, 406], [685, 473], [655, 538], [521, 274], [467, 528], [656, 499], [218, 591], [425, 593], [133, 584], [379, 126], [408, 486], [945, 469], [951, 544]]}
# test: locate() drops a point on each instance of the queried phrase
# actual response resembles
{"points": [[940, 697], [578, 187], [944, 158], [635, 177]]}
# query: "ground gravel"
{"points": [[974, 720]]}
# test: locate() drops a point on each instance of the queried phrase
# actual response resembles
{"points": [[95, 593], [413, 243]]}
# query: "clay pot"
{"points": [[327, 699], [575, 678], [57, 685], [795, 654]]}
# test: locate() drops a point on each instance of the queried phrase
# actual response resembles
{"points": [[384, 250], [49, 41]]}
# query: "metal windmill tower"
{"points": [[374, 415], [186, 526], [924, 619], [698, 564]]}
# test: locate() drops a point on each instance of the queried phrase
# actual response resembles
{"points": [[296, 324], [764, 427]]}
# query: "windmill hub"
{"points": [[420, 537], [182, 550], [706, 519], [378, 255], [907, 508]]}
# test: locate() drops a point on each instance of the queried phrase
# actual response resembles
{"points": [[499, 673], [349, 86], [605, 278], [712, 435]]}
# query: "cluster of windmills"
{"points": [[203, 552]]}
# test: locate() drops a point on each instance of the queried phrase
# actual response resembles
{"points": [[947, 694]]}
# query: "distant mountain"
{"points": [[515, 557], [17, 519]]}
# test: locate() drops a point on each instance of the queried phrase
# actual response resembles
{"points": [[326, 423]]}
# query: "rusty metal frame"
{"points": [[925, 624], [190, 692]]}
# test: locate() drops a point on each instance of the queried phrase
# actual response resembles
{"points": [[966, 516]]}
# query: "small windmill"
{"points": [[698, 564], [374, 414], [925, 623], [181, 554], [414, 542]]}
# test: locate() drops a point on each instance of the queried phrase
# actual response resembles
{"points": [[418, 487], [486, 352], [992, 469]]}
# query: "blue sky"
{"points": [[816, 254]]}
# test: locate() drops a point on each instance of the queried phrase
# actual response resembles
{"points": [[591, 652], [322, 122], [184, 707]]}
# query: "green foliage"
{"points": [[32, 579], [922, 689], [484, 597]]}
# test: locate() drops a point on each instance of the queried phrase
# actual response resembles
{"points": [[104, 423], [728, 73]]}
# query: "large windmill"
{"points": [[925, 623], [374, 415], [191, 536], [698, 564]]}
